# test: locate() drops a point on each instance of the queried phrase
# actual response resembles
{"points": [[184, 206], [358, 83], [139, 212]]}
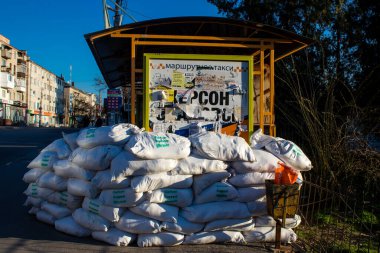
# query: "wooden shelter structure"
{"points": [[119, 53]]}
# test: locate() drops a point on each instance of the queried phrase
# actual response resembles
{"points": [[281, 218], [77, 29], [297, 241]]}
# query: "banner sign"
{"points": [[183, 92], [114, 99]]}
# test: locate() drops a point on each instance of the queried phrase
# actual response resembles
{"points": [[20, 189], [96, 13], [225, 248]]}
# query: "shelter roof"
{"points": [[184, 35]]}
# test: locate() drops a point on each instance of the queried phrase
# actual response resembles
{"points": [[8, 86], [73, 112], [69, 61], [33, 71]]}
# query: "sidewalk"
{"points": [[19, 245]]}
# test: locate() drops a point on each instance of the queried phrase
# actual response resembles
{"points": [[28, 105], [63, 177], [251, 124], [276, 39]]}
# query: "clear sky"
{"points": [[52, 31]]}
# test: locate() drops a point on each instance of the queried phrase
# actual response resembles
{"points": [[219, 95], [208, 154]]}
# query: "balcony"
{"points": [[21, 71], [20, 85], [7, 54], [7, 80], [6, 69], [21, 61]]}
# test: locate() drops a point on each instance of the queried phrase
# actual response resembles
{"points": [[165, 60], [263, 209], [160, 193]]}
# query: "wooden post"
{"points": [[133, 81], [262, 89]]}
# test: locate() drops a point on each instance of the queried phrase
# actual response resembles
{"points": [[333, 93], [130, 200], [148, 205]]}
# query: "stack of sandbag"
{"points": [[214, 202], [97, 147], [47, 191], [155, 195], [120, 184]]}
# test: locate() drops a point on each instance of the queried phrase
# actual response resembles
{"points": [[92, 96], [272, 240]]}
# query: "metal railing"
{"points": [[335, 221]]}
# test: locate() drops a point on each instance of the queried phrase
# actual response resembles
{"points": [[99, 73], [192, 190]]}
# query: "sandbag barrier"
{"points": [[122, 185]]}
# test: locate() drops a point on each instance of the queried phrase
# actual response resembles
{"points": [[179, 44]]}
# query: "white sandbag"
{"points": [[268, 234], [98, 158], [95, 206], [51, 181], [71, 139], [115, 135], [90, 220], [161, 239], [171, 196], [222, 147], [126, 164], [60, 147], [161, 180], [106, 180], [137, 224], [56, 210], [35, 191], [195, 164], [230, 225], [219, 191], [45, 217], [285, 150], [214, 237], [149, 145], [65, 199], [67, 169], [69, 226], [182, 226], [250, 179], [121, 197], [161, 212], [268, 221], [31, 201], [32, 175], [44, 160], [34, 210], [79, 187], [249, 194], [201, 182], [265, 162], [258, 207], [215, 211], [114, 236]]}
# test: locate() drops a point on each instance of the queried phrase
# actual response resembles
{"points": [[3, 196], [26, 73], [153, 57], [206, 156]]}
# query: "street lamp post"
{"points": [[39, 123]]}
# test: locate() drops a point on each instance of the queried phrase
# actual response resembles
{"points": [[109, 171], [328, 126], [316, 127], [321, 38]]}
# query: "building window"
{"points": [[4, 94]]}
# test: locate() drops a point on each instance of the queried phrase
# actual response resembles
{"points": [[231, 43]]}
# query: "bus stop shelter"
{"points": [[119, 53]]}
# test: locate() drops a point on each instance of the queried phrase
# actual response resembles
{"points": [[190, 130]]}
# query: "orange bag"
{"points": [[285, 175]]}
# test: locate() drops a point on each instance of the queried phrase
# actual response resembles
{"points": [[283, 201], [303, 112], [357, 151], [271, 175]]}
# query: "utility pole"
{"points": [[117, 19], [40, 108]]}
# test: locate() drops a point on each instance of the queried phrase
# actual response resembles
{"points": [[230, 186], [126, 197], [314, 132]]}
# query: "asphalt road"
{"points": [[21, 232]]}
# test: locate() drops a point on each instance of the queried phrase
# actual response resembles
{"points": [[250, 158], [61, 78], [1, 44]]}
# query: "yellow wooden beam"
{"points": [[197, 44], [271, 63], [195, 37], [262, 90], [133, 81], [292, 52]]}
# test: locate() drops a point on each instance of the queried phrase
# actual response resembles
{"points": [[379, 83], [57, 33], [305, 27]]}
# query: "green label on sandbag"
{"points": [[119, 201], [63, 198], [93, 207], [170, 198], [45, 160], [221, 191], [161, 141], [90, 133]]}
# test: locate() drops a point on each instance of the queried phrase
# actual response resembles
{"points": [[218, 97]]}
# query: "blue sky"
{"points": [[52, 30]]}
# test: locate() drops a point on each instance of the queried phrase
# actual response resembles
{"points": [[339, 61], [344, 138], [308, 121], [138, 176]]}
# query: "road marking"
{"points": [[17, 146]]}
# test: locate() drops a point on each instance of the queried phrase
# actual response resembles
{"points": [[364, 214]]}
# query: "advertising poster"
{"points": [[186, 92]]}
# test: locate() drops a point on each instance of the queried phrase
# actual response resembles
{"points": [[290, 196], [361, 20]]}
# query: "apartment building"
{"points": [[79, 104], [13, 74], [31, 94], [45, 96]]}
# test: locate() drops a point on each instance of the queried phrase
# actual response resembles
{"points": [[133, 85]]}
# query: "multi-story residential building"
{"points": [[79, 104], [45, 96], [12, 83], [31, 94]]}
